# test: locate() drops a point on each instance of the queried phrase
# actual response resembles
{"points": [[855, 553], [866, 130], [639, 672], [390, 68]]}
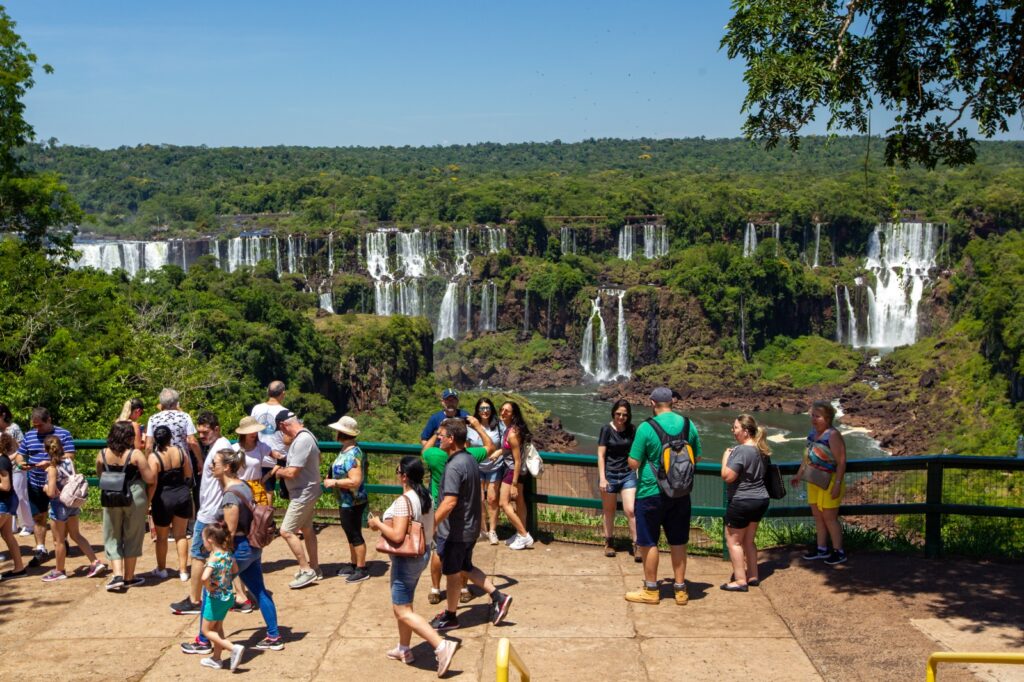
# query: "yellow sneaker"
{"points": [[682, 598], [644, 596]]}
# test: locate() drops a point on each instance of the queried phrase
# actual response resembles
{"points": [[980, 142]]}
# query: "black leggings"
{"points": [[352, 523]]}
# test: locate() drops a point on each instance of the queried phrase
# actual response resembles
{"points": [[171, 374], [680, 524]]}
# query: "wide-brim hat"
{"points": [[346, 425], [248, 425]]}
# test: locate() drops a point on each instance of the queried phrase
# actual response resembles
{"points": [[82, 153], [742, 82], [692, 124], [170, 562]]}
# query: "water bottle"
{"points": [[1020, 446]]}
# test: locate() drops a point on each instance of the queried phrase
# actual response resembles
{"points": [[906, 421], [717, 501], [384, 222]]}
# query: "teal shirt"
{"points": [[647, 448], [346, 461]]}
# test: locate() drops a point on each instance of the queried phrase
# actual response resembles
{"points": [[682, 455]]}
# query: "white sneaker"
{"points": [[159, 573], [518, 542], [236, 656], [211, 663], [24, 532], [511, 539], [492, 537], [183, 576], [529, 541]]}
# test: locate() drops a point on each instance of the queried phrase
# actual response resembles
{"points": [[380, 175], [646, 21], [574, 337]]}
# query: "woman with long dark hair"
{"points": [[414, 504], [171, 506], [125, 526], [492, 468], [512, 499], [614, 475]]}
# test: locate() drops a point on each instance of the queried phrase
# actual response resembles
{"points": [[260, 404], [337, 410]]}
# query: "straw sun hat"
{"points": [[248, 425], [346, 425]]}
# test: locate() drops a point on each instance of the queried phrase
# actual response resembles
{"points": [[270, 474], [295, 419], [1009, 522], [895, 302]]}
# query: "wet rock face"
{"points": [[550, 436]]}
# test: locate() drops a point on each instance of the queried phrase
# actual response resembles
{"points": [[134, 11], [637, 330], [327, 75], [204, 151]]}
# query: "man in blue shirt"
{"points": [[31, 449], [449, 408]]}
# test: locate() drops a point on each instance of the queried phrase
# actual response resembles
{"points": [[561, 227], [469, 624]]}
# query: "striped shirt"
{"points": [[31, 448]]}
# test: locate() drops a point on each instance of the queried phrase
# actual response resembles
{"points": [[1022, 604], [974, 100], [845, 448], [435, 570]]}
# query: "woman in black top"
{"points": [[171, 506], [615, 476]]}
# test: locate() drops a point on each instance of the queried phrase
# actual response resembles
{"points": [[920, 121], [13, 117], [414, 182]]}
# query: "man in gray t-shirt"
{"points": [[457, 523], [301, 475]]}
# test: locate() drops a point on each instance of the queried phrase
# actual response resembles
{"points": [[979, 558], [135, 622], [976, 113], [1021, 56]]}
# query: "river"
{"points": [[583, 415]]}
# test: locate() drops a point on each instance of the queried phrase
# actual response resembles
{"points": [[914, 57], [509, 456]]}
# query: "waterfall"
{"points": [[851, 318], [488, 307], [376, 254], [407, 298], [749, 241], [155, 255], [215, 251], [448, 321], [622, 342], [626, 242], [469, 308], [461, 247], [330, 253], [817, 243], [775, 234], [567, 236], [277, 254], [600, 372], [327, 301], [900, 255], [292, 267], [412, 253], [497, 239], [655, 241], [526, 311], [383, 301]]}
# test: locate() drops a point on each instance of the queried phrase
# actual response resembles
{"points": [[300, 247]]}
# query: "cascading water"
{"points": [[488, 306], [851, 317], [622, 341], [595, 365], [496, 239], [277, 254], [330, 253], [448, 320], [626, 242], [839, 319], [567, 237], [655, 241], [900, 255], [817, 243], [469, 308], [408, 298], [155, 255], [327, 301], [749, 241], [412, 253]]}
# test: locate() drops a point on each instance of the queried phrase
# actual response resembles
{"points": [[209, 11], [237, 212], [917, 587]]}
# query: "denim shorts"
{"points": [[405, 573], [658, 512], [198, 551], [12, 507], [60, 511], [617, 482], [494, 476]]}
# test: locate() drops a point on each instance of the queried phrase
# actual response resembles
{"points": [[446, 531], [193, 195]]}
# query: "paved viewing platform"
{"points": [[875, 618]]}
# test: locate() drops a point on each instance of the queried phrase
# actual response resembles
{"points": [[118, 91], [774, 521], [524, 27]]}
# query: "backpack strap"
{"points": [[159, 459]]}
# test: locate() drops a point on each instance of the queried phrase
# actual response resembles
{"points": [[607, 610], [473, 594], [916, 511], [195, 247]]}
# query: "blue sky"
{"points": [[388, 73]]}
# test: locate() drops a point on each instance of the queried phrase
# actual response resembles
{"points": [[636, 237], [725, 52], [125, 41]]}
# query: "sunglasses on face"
{"points": [[621, 414], [484, 408]]}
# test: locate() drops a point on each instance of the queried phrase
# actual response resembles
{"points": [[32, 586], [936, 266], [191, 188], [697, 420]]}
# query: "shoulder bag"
{"points": [[413, 544]]}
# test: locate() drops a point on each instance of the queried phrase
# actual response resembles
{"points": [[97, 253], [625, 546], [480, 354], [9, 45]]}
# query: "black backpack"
{"points": [[115, 486], [676, 465]]}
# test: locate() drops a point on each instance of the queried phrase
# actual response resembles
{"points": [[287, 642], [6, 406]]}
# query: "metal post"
{"points": [[933, 519], [725, 538], [531, 504]]}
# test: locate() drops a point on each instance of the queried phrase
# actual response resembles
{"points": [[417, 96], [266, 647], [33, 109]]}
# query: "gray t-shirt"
{"points": [[461, 478], [305, 454], [745, 460]]}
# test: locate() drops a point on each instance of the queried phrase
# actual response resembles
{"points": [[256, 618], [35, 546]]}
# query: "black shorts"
{"points": [[352, 524], [661, 512], [269, 482], [38, 500], [742, 513], [169, 503], [455, 556]]}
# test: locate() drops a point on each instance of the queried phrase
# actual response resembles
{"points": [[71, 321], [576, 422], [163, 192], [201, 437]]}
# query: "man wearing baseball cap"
{"points": [[449, 408], [654, 509], [301, 475]]}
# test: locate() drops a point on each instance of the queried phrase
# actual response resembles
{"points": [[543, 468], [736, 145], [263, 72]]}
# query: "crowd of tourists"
{"points": [[211, 498]]}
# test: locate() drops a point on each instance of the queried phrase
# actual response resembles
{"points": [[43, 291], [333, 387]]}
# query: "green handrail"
{"points": [[933, 508]]}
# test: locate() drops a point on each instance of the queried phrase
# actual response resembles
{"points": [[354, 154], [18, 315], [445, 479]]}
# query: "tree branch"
{"points": [[851, 12]]}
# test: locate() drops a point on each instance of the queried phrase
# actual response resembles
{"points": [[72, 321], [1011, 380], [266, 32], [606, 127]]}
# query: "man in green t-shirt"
{"points": [[654, 509]]}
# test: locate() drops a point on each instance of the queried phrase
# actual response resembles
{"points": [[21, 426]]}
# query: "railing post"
{"points": [[725, 538], [531, 505], [933, 519]]}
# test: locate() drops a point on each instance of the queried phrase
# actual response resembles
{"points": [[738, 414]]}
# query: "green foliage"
{"points": [[807, 361], [32, 203], [928, 63]]}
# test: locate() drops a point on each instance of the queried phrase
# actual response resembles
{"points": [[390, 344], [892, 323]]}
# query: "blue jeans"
{"points": [[250, 570]]}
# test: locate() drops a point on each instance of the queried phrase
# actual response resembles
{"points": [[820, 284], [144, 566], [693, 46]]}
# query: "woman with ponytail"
{"points": [[413, 504], [743, 470]]}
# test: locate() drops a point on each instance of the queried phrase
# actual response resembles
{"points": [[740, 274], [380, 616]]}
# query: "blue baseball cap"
{"points": [[449, 393]]}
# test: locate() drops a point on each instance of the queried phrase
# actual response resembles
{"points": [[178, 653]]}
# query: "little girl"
{"points": [[8, 505], [219, 597], [64, 518]]}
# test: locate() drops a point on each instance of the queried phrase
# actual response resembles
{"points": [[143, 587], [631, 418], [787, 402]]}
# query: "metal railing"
{"points": [[968, 657], [927, 488], [507, 655]]}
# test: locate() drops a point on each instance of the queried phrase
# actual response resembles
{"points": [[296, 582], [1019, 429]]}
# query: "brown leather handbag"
{"points": [[413, 544]]}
